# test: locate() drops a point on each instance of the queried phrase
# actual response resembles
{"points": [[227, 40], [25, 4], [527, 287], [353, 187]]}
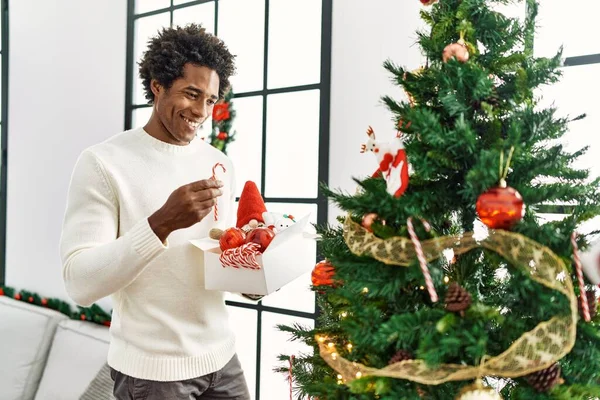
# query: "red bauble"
{"points": [[501, 207], [322, 274], [222, 136], [18, 296], [82, 317], [44, 302], [106, 323], [428, 2], [232, 238], [30, 299], [260, 236], [1, 292]]}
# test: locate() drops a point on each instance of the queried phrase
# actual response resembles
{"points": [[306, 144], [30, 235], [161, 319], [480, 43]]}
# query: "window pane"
{"points": [[292, 144], [274, 386], [142, 6], [570, 23], [203, 14], [244, 324], [246, 150], [576, 94], [297, 294], [140, 117], [145, 28], [294, 42], [241, 26]]}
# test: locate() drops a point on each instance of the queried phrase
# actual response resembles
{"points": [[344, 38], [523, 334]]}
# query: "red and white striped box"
{"points": [[289, 255]]}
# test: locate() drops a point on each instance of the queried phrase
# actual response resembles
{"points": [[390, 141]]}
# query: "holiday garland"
{"points": [[93, 314], [222, 120]]}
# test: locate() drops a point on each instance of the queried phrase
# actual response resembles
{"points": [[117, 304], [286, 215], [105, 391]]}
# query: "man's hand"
{"points": [[185, 207]]}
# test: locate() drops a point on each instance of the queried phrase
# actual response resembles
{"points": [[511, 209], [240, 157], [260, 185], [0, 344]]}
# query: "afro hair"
{"points": [[172, 48]]}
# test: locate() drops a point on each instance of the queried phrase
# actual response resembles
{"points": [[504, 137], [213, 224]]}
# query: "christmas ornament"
{"points": [[590, 262], [393, 165], [278, 222], [322, 274], [458, 299], [500, 207], [222, 136], [18, 296], [30, 299], [592, 304], [214, 178], [546, 379], [401, 355], [44, 302], [585, 308], [368, 220], [1, 291], [260, 236], [82, 317], [250, 208], [421, 257], [232, 238], [478, 391], [456, 50], [221, 112], [428, 2]]}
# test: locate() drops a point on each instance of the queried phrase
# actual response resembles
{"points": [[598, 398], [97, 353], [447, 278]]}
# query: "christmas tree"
{"points": [[452, 285]]}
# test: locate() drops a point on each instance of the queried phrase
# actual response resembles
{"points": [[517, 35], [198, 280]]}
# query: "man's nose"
{"points": [[200, 109]]}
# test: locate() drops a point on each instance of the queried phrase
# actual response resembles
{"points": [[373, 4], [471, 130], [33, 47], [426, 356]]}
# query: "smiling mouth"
{"points": [[192, 124]]}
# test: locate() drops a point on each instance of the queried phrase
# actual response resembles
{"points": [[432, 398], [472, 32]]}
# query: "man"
{"points": [[134, 202]]}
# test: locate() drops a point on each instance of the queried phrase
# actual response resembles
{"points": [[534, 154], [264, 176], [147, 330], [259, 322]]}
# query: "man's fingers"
{"points": [[207, 194], [205, 184]]}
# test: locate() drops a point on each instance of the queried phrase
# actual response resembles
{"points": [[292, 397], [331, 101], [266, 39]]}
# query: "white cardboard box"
{"points": [[288, 256]]}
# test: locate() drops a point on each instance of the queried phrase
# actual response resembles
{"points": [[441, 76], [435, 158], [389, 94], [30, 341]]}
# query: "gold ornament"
{"points": [[478, 391], [535, 350]]}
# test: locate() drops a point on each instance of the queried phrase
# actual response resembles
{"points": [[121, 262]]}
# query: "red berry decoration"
{"points": [[30, 299], [322, 274], [18, 296], [232, 238], [222, 136], [44, 302], [260, 236], [82, 317], [106, 323], [1, 292], [501, 207]]}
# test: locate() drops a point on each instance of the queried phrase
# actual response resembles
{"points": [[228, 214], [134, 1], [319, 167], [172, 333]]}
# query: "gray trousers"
{"points": [[227, 383]]}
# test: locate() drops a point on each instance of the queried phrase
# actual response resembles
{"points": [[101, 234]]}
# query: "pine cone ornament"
{"points": [[592, 303], [401, 355], [457, 298], [546, 379]]}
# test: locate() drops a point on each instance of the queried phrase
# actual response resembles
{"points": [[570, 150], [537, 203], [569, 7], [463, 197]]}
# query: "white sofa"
{"points": [[47, 356]]}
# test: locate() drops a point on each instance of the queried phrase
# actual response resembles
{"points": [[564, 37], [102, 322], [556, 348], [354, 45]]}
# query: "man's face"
{"points": [[186, 104]]}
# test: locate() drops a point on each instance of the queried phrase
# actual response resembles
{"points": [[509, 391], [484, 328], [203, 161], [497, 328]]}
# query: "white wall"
{"points": [[67, 91], [365, 34]]}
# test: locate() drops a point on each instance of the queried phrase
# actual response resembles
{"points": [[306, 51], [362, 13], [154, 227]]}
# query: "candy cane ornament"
{"points": [[421, 256], [214, 177], [585, 308]]}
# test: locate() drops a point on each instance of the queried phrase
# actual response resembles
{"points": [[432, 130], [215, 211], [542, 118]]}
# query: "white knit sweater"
{"points": [[165, 326]]}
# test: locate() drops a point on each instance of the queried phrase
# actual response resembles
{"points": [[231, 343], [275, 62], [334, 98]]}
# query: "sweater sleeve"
{"points": [[96, 262]]}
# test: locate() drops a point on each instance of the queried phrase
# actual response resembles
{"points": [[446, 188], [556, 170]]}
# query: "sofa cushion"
{"points": [[101, 388], [79, 350], [26, 332]]}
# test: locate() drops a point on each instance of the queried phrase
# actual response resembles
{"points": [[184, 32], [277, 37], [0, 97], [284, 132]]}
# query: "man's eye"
{"points": [[211, 102], [192, 95]]}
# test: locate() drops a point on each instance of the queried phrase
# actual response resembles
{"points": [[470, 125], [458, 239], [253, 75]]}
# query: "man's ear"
{"points": [[156, 87]]}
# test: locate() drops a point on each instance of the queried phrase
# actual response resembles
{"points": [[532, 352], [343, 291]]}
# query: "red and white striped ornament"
{"points": [[214, 177], [585, 308], [421, 256], [241, 257]]}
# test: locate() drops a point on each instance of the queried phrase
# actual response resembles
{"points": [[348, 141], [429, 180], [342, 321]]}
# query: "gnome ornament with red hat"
{"points": [[250, 208]]}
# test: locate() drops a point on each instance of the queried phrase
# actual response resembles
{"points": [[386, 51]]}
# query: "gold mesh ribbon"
{"points": [[535, 350]]}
